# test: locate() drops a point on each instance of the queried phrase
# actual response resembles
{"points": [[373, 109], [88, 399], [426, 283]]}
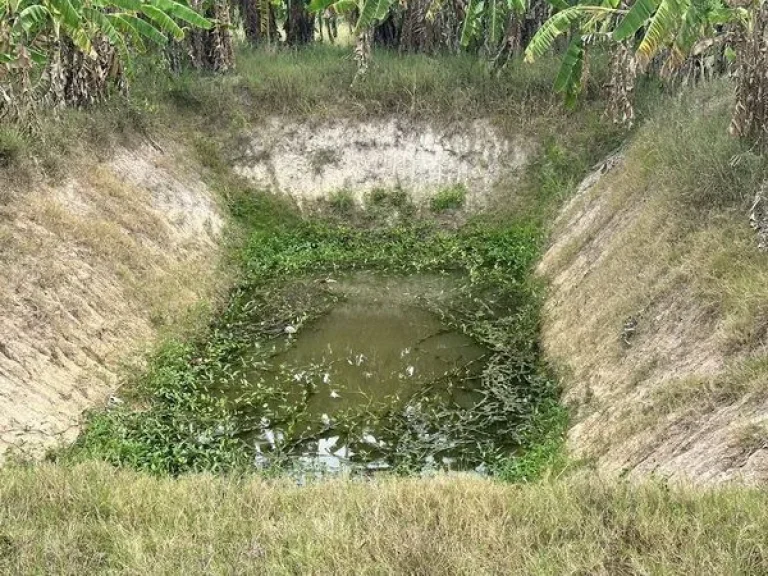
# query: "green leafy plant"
{"points": [[341, 201], [671, 29], [370, 12], [451, 198]]}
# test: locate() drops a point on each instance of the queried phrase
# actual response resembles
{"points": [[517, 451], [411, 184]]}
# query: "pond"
{"points": [[380, 346], [349, 348]]}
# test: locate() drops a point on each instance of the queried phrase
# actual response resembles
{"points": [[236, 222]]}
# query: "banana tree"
{"points": [[212, 48], [493, 23], [258, 17], [67, 52], [370, 13], [668, 29]]}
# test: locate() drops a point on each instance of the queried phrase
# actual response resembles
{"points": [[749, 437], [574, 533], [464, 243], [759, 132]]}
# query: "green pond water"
{"points": [[379, 346]]}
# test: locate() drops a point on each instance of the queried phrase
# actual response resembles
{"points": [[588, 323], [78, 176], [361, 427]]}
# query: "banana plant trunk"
{"points": [[259, 22], [299, 24], [750, 116], [251, 14], [212, 49]]}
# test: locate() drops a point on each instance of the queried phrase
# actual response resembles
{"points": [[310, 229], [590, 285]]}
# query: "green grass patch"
{"points": [[451, 198], [94, 519]]}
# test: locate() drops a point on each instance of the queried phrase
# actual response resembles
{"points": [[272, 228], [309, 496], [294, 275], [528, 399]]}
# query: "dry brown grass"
{"points": [[91, 269], [94, 519]]}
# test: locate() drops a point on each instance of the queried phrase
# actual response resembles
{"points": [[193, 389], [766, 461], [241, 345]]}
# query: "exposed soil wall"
{"points": [[309, 161], [90, 269]]}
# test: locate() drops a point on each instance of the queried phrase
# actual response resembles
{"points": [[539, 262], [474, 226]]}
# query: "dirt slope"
{"points": [[660, 379], [90, 268]]}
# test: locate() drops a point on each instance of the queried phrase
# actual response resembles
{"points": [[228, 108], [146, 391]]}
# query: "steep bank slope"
{"points": [[91, 268], [659, 303]]}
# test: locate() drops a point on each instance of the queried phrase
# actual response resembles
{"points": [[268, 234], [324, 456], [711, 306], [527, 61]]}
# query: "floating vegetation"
{"points": [[450, 376]]}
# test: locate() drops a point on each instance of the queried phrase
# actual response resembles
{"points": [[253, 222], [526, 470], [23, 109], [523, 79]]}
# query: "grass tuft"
{"points": [[12, 147], [451, 198]]}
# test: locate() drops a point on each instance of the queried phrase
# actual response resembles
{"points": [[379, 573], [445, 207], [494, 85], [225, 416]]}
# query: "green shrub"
{"points": [[342, 201], [378, 197], [394, 198]]}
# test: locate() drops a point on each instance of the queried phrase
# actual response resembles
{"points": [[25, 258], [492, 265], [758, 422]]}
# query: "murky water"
{"points": [[378, 346]]}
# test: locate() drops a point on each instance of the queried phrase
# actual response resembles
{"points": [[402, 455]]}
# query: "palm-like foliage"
{"points": [[670, 29], [370, 13], [49, 46], [33, 25], [486, 21]]}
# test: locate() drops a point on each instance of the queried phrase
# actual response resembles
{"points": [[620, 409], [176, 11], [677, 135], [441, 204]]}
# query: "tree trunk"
{"points": [[212, 49], [363, 53], [750, 116], [621, 86], [73, 79], [413, 36], [387, 33], [300, 24], [250, 12]]}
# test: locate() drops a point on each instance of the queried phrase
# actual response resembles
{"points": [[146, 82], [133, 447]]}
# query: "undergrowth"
{"points": [[451, 198], [186, 423]]}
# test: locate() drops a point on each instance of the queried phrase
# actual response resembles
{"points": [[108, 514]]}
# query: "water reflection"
{"points": [[380, 344]]}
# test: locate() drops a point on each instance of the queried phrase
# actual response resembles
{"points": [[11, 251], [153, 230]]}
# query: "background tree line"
{"points": [[56, 53]]}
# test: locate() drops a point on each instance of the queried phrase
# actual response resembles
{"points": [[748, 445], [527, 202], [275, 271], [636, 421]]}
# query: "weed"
{"points": [[209, 153], [12, 147], [323, 157], [545, 437], [378, 197], [385, 205], [449, 198], [749, 438], [342, 202], [686, 148]]}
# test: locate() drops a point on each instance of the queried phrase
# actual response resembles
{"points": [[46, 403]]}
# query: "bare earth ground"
{"points": [[90, 269], [309, 162]]}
